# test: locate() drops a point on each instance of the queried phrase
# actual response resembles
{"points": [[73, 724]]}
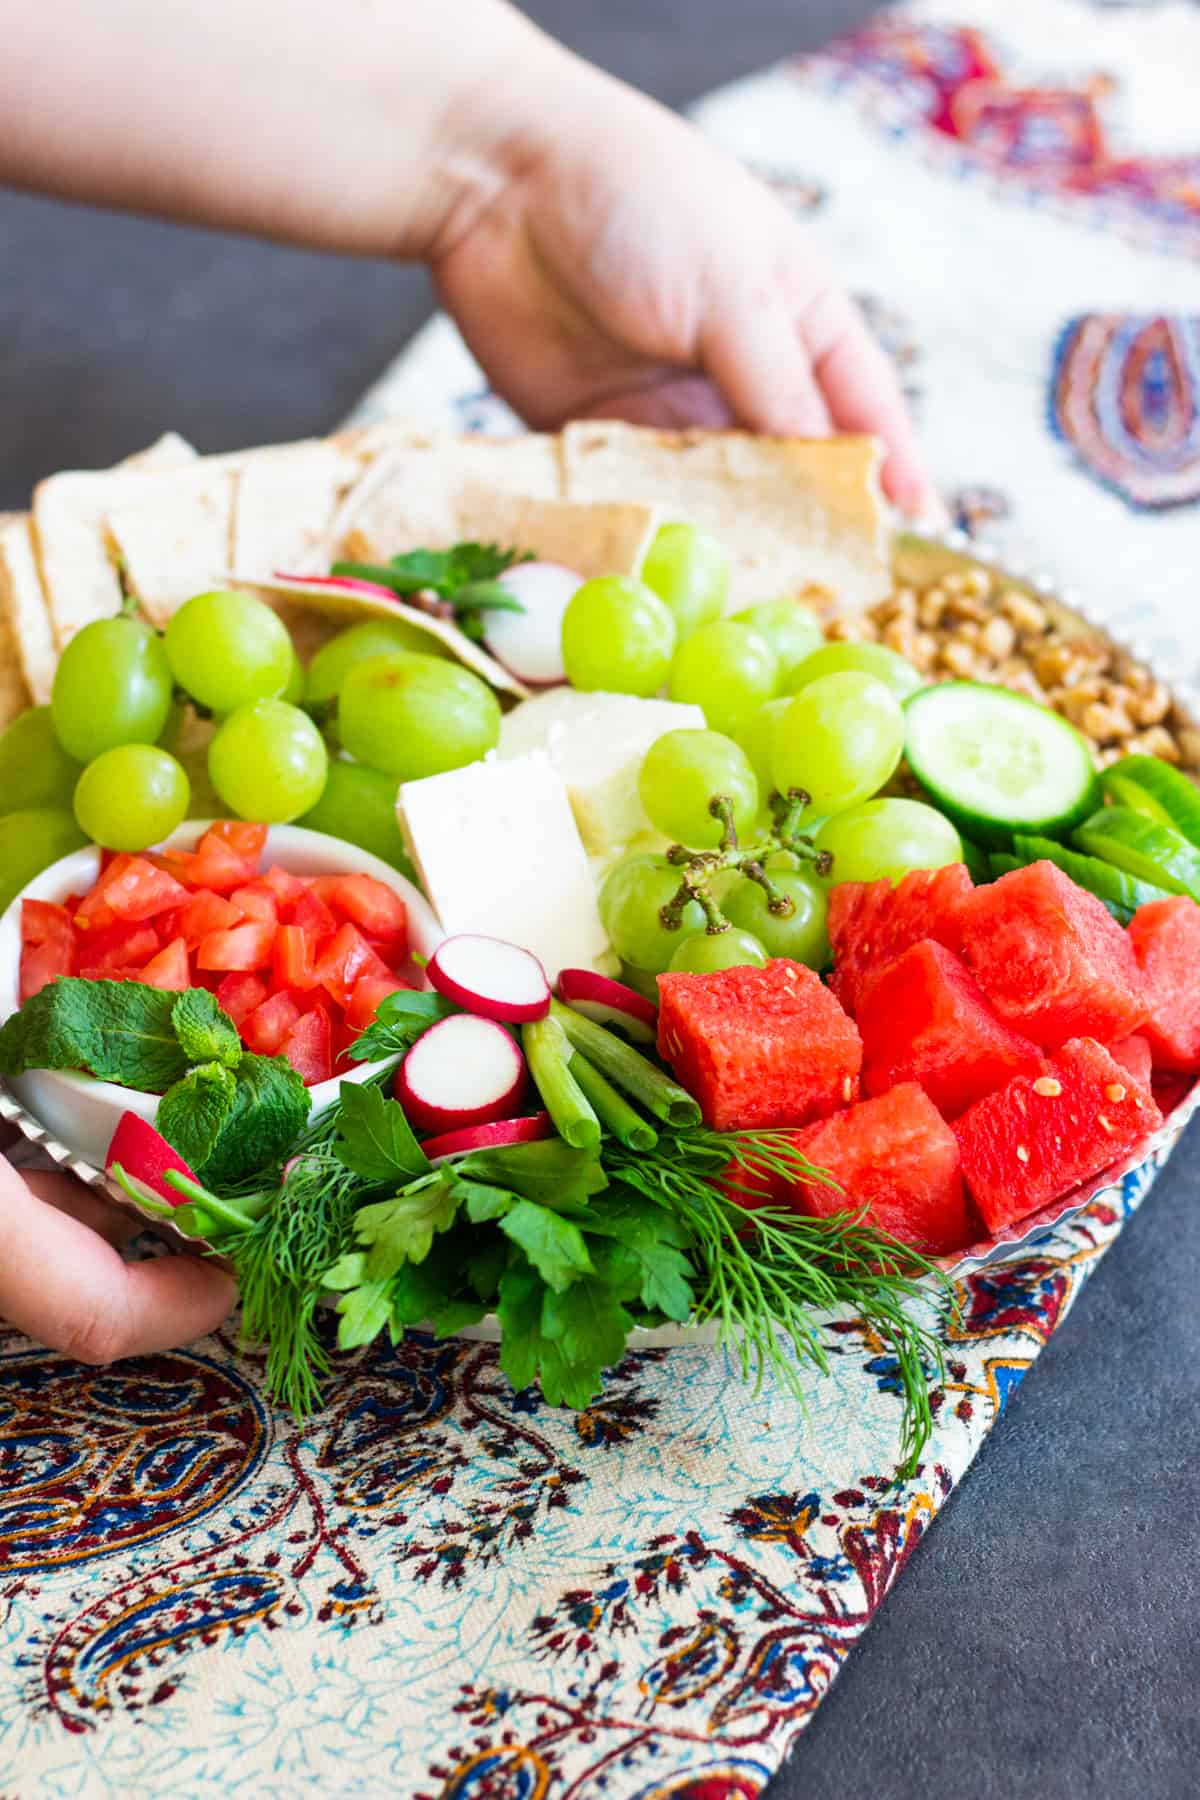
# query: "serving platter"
{"points": [[916, 558]]}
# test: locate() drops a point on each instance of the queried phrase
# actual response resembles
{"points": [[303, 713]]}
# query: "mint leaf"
{"points": [[550, 1172], [118, 1030], [400, 1019], [554, 1245], [193, 1113], [205, 1034], [375, 1139], [270, 1107], [402, 1229]]}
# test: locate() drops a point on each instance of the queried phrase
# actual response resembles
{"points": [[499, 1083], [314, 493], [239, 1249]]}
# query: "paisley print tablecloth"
{"points": [[439, 1588]]}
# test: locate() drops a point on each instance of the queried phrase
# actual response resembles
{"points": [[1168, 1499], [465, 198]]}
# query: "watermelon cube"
{"points": [[759, 1047], [1051, 959], [1133, 1053], [1042, 1135], [872, 922], [1165, 935], [924, 1018], [897, 1154]]}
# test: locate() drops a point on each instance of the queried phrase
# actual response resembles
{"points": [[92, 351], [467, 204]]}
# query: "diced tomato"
{"points": [[93, 901], [346, 958], [343, 1036], [246, 946], [115, 951], [214, 864], [238, 995], [324, 886], [206, 912], [293, 958], [43, 963], [256, 902], [378, 911], [309, 1046], [44, 923], [264, 1030], [135, 890], [310, 912], [246, 839], [285, 886], [169, 970], [369, 990]]}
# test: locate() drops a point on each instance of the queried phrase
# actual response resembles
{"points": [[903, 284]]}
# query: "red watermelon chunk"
{"points": [[897, 1154], [924, 1018], [1051, 959], [1165, 935], [759, 1047], [1042, 1135], [1133, 1053], [872, 922]]}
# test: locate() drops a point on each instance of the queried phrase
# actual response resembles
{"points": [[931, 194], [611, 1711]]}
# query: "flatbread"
{"points": [[170, 451], [14, 693], [789, 511], [29, 647], [284, 507], [608, 538], [175, 542]]}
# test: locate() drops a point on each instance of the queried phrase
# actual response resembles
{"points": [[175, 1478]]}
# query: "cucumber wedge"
{"points": [[1121, 892], [997, 763], [1148, 785], [1144, 848]]}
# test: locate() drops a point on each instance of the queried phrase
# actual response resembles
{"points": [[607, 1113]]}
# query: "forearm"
{"points": [[366, 126]]}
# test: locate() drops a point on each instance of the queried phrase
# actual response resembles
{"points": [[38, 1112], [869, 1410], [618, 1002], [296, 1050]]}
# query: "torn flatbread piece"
{"points": [[24, 615], [283, 509], [14, 693], [607, 538], [170, 451], [175, 540], [790, 512]]}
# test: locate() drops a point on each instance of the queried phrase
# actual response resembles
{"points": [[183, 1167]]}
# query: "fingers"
{"points": [[116, 1226], [67, 1287], [758, 363], [671, 402]]}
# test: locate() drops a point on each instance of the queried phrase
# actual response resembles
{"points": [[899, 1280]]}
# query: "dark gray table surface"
{"points": [[1042, 1642]]}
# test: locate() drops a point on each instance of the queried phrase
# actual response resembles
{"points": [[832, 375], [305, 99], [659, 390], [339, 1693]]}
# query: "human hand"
{"points": [[63, 1282], [629, 269]]}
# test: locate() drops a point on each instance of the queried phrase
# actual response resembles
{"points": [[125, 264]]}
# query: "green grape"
{"points": [[618, 637], [757, 739], [728, 670], [268, 762], [865, 659], [703, 953], [888, 838], [792, 631], [415, 715], [630, 899], [112, 686], [293, 693], [35, 770], [682, 771], [688, 569], [358, 805], [132, 797], [802, 935], [840, 740], [227, 649], [373, 637], [30, 840]]}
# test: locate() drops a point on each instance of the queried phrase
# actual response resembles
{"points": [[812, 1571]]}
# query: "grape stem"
{"points": [[697, 867]]}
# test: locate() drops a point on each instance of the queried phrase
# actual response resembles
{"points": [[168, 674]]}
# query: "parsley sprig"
{"points": [[463, 577]]}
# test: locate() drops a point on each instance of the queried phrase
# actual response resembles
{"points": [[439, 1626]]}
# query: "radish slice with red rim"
{"points": [[491, 978], [462, 1071], [146, 1158], [501, 1135], [338, 584], [609, 1002], [529, 642]]}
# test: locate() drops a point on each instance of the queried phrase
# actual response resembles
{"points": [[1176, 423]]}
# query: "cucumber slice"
{"points": [[997, 763], [1148, 785], [1121, 892], [1146, 849]]}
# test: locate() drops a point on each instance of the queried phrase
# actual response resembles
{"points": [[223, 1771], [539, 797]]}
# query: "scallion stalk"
{"points": [[612, 1109], [548, 1053], [626, 1068]]}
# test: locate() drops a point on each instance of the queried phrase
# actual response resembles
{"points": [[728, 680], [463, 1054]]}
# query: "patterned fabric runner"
{"points": [[442, 1589]]}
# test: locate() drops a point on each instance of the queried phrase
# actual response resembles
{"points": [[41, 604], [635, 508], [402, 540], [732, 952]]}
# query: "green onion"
{"points": [[549, 1054], [612, 1109], [627, 1068]]}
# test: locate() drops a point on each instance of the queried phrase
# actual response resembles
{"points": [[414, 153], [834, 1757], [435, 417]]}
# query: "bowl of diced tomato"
{"points": [[298, 936]]}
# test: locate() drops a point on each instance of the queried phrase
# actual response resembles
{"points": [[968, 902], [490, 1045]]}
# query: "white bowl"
{"points": [[83, 1112]]}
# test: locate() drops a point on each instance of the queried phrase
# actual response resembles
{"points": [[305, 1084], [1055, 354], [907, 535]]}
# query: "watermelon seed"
{"points": [[1047, 1087], [1114, 1091]]}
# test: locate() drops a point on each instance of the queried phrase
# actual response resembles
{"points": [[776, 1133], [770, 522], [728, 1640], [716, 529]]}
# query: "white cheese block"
{"points": [[497, 851], [597, 742]]}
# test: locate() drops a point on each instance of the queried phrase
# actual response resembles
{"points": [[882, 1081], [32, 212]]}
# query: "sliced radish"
{"points": [[498, 1136], [337, 584], [609, 1003], [530, 642], [145, 1156], [462, 1071], [490, 977]]}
